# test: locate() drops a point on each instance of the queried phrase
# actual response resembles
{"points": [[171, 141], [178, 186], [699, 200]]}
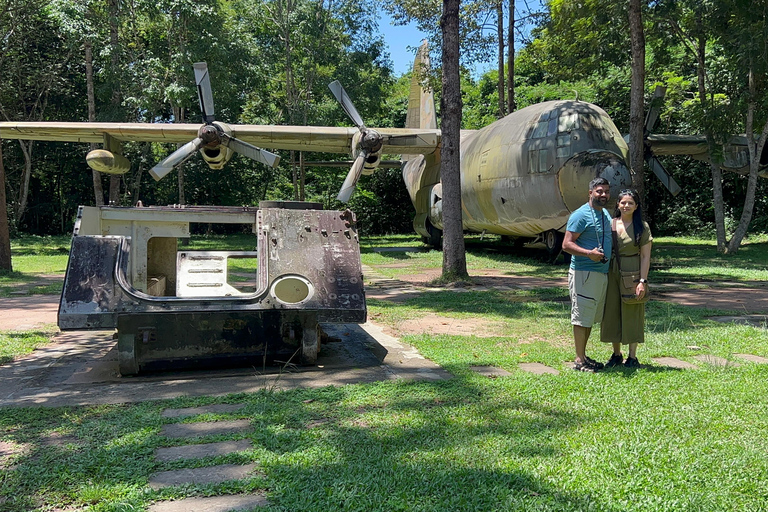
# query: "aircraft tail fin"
{"points": [[421, 100]]}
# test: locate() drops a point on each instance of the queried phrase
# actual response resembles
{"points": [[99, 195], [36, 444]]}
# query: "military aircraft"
{"points": [[521, 176]]}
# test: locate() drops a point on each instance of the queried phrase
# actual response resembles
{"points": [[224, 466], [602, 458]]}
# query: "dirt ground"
{"points": [[24, 313], [749, 301]]}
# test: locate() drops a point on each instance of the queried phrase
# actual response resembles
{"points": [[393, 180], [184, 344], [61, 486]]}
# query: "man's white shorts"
{"points": [[587, 290]]}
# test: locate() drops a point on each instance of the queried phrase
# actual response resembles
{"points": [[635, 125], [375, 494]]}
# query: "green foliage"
{"points": [[17, 344], [270, 62]]}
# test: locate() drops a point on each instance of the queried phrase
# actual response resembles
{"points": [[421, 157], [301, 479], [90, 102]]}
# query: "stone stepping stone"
{"points": [[538, 369], [490, 371], [204, 428], [674, 362], [207, 409], [715, 361], [228, 503], [199, 476], [753, 358], [198, 451]]}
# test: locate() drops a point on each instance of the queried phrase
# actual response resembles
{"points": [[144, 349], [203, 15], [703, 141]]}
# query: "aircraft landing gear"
{"points": [[554, 241], [435, 238]]}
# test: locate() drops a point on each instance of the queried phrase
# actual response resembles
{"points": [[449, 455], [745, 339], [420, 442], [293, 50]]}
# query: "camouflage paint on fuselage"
{"points": [[524, 174]]}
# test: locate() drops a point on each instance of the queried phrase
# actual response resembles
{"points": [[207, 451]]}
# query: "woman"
{"points": [[625, 323]]}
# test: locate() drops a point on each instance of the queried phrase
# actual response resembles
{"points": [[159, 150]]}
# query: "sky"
{"points": [[398, 38]]}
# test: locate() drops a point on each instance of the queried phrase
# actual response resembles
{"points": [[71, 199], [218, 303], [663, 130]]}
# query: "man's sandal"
{"points": [[596, 365], [584, 367]]}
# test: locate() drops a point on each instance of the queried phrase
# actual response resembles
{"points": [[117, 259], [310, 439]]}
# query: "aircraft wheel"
{"points": [[554, 242], [435, 238]]}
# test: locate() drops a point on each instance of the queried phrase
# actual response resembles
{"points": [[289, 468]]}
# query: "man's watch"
{"points": [[644, 281]]}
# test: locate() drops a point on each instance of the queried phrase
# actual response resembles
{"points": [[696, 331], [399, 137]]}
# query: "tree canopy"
{"points": [[270, 62]]}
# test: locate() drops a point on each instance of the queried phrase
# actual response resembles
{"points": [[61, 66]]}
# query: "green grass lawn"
{"points": [[646, 439]]}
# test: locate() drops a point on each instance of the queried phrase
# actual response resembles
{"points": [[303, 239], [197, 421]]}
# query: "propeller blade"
{"points": [[343, 98], [249, 150], [176, 158], [661, 173], [653, 112], [204, 91], [352, 176]]}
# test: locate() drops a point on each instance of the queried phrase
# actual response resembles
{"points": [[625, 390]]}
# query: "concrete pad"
{"points": [[198, 451], [204, 428], [207, 409], [715, 361], [200, 476], [59, 374], [490, 371], [401, 361], [538, 369], [229, 503], [753, 358], [673, 362]]}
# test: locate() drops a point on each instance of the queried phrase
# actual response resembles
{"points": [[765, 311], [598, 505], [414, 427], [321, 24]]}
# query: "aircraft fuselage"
{"points": [[524, 174]]}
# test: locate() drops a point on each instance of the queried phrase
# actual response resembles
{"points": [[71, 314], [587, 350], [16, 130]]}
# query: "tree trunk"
{"points": [[98, 189], [754, 164], [636, 117], [26, 149], [294, 176], [114, 180], [302, 176], [178, 116], [717, 173], [5, 235], [454, 257], [500, 35], [511, 104]]}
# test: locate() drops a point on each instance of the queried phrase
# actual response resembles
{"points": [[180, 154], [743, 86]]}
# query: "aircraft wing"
{"points": [[300, 138], [662, 144]]}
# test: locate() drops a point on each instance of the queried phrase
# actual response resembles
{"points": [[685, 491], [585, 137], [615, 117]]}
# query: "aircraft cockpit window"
{"points": [[568, 121], [552, 128], [546, 125], [540, 130]]}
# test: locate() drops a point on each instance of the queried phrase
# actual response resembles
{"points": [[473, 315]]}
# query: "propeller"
{"points": [[211, 135], [369, 142], [176, 158], [656, 166]]}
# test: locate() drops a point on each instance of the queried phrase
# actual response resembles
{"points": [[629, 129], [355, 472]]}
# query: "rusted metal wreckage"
{"points": [[177, 309]]}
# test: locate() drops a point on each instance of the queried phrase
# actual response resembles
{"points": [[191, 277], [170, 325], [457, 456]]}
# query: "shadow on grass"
{"points": [[386, 446], [423, 446], [20, 343], [624, 372]]}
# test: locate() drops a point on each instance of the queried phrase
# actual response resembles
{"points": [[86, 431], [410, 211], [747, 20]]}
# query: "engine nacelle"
{"points": [[371, 163], [217, 156], [107, 162]]}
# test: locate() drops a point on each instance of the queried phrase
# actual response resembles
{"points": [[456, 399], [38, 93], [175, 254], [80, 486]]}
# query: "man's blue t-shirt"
{"points": [[594, 228]]}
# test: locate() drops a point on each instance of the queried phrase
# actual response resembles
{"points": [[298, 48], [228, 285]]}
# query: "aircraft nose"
{"points": [[574, 176]]}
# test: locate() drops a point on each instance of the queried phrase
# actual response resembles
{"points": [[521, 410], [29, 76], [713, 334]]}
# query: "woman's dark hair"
{"points": [[637, 217]]}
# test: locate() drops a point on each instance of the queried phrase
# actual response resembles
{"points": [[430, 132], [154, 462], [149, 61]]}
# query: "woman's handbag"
{"points": [[627, 279]]}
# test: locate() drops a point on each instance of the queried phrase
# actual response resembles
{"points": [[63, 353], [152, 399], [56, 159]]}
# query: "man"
{"points": [[588, 240]]}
